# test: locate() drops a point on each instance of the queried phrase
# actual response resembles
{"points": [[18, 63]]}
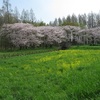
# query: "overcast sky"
{"points": [[48, 10]]}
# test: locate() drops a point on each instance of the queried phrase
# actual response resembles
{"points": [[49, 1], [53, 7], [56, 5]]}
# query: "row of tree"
{"points": [[90, 20], [9, 15]]}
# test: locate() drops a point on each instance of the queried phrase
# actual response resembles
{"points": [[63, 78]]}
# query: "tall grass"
{"points": [[58, 75]]}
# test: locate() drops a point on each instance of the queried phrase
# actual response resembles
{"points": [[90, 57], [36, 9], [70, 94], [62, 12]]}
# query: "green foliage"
{"points": [[39, 23], [59, 75], [5, 42], [72, 24]]}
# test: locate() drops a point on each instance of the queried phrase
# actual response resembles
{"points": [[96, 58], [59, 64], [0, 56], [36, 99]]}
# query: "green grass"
{"points": [[86, 47], [59, 75], [8, 54]]}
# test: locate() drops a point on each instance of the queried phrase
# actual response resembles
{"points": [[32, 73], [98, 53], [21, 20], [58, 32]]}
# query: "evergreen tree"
{"points": [[91, 20], [32, 16], [55, 23], [1, 17], [98, 19], [59, 21], [74, 20], [23, 16], [68, 19], [16, 15], [64, 21], [6, 8]]}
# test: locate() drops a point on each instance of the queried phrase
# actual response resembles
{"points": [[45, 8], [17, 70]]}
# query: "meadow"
{"points": [[72, 74]]}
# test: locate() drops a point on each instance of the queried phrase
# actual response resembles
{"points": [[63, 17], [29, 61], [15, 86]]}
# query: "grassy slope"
{"points": [[59, 75]]}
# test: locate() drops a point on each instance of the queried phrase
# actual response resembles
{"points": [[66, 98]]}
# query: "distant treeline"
{"points": [[90, 20], [9, 16]]}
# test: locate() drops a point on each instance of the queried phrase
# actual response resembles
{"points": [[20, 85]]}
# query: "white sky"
{"points": [[63, 7], [48, 10]]}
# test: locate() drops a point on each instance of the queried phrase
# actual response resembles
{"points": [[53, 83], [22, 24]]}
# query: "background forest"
{"points": [[9, 15]]}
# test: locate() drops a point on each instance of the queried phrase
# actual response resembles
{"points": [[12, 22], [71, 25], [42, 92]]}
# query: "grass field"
{"points": [[72, 74]]}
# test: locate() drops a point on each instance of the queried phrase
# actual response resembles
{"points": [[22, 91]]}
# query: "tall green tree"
{"points": [[74, 20], [6, 9], [91, 20], [64, 21], [25, 16], [55, 23], [1, 17], [32, 16], [68, 19], [82, 20], [16, 15], [59, 21], [98, 19]]}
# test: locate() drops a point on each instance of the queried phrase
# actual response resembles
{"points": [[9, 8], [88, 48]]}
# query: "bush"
{"points": [[65, 45]]}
